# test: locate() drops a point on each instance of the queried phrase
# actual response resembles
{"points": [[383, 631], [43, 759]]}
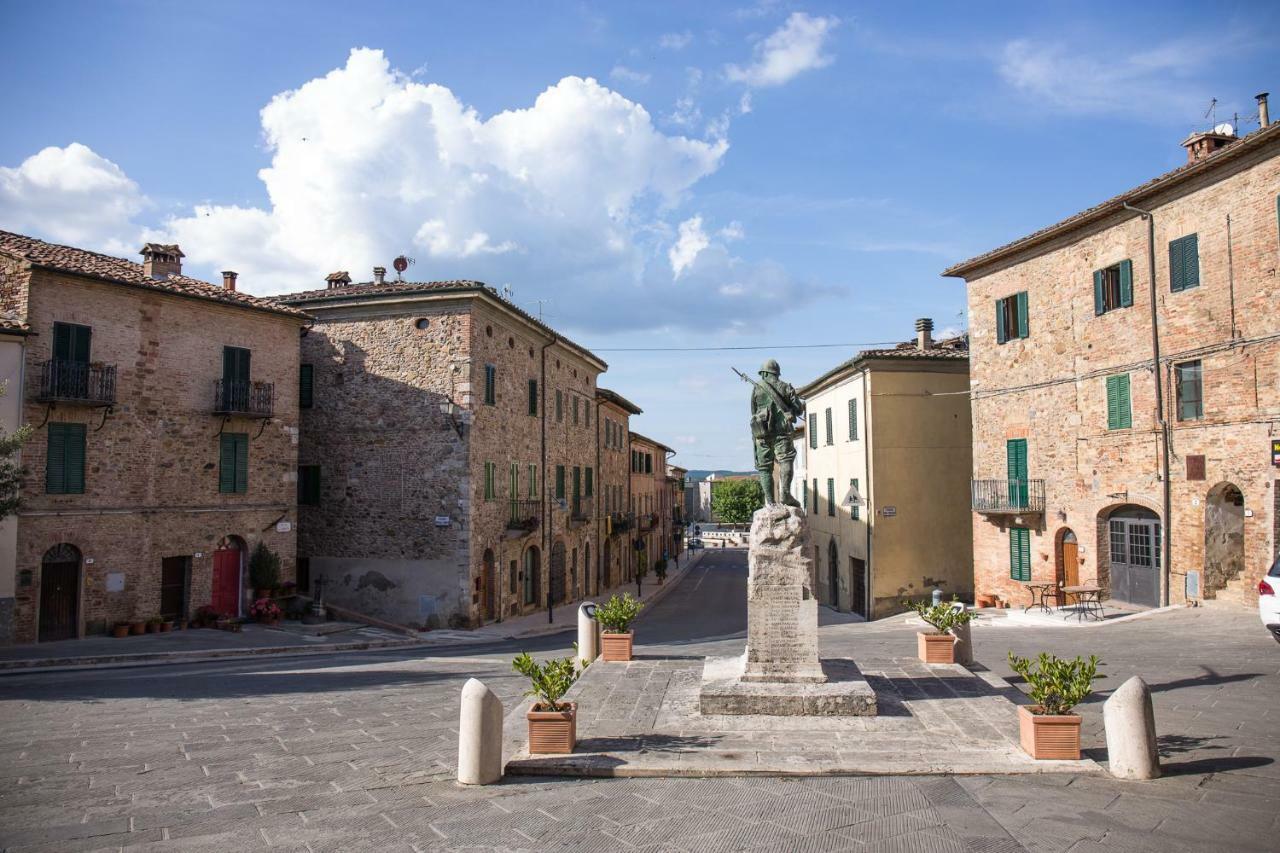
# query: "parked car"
{"points": [[1269, 600], [695, 544]]}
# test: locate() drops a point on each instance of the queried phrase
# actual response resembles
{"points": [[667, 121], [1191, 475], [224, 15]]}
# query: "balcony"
{"points": [[1008, 497], [581, 510], [244, 399], [620, 522], [647, 521], [77, 382], [525, 516]]}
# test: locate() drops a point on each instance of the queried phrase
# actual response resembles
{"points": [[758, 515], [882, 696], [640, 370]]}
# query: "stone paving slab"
{"points": [[643, 719]]}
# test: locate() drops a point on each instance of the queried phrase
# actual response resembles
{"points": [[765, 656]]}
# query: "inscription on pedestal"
{"points": [[782, 612]]}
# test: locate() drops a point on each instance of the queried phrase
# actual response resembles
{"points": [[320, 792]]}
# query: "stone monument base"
{"points": [[842, 693]]}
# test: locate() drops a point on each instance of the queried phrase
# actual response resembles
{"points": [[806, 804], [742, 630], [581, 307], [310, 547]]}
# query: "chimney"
{"points": [[229, 280], [1201, 145], [341, 278], [160, 260], [1263, 118], [924, 333], [379, 275]]}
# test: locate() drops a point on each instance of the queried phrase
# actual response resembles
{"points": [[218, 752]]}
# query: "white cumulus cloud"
{"points": [[691, 241], [795, 47], [675, 41]]}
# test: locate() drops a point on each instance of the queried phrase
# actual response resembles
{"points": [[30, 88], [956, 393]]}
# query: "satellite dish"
{"points": [[1225, 129]]}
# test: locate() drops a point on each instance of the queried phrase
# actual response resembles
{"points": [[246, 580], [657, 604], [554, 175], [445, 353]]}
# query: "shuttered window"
{"points": [[815, 495], [233, 463], [560, 482], [309, 485], [855, 500], [1113, 287], [1119, 412], [559, 406], [590, 485], [831, 437], [64, 467], [1012, 318], [306, 386], [71, 342], [853, 420], [490, 385], [575, 411], [831, 496], [533, 481], [577, 482], [1184, 263], [1020, 553], [1190, 390], [812, 427], [490, 480], [533, 396], [804, 495], [513, 478]]}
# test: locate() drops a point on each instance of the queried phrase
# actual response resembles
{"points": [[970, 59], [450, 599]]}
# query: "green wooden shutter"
{"points": [[64, 463], [1177, 267], [1019, 553], [533, 481], [853, 420], [1126, 409], [804, 494], [306, 386], [1119, 414], [235, 364], [1002, 330], [71, 342], [1126, 284], [1191, 260], [1016, 470], [490, 385], [815, 494], [1024, 328], [591, 482], [61, 342], [75, 458], [577, 482], [533, 396], [831, 437], [559, 482], [813, 431], [1099, 299], [831, 496], [242, 463]]}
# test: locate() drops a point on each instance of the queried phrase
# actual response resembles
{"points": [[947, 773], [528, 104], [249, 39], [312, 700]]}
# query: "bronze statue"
{"points": [[774, 409]]}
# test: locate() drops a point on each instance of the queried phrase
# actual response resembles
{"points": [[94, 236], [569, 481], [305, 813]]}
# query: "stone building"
{"points": [[675, 501], [165, 444], [649, 497], [1126, 387], [885, 466], [616, 518], [13, 335], [449, 454]]}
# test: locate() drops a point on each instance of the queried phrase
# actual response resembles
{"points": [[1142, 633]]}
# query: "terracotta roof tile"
{"points": [[948, 349], [11, 323], [94, 265]]}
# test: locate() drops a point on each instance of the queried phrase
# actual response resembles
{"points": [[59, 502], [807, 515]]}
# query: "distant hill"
{"points": [[699, 475]]}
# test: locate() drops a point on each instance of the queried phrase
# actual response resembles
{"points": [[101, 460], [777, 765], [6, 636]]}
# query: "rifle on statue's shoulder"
{"points": [[768, 389]]}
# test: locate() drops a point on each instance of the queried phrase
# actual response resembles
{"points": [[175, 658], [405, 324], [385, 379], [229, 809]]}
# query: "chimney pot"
{"points": [[379, 275], [1263, 118], [161, 260], [341, 278], [924, 333], [229, 280]]}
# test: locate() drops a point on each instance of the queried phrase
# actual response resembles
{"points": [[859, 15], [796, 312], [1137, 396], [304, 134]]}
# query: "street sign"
{"points": [[442, 521], [889, 511], [1275, 452]]}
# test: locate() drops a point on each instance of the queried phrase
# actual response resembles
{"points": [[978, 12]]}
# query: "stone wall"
{"points": [[615, 474]]}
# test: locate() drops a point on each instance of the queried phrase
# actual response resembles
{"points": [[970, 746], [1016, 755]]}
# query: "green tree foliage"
{"points": [[735, 501], [264, 567], [1057, 685], [943, 616], [616, 615], [10, 471], [547, 681]]}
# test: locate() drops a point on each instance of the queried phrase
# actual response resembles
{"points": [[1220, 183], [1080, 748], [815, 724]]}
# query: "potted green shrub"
{"points": [[553, 724], [1047, 729], [166, 625], [205, 616], [264, 570], [266, 611], [615, 617], [939, 645], [120, 630], [660, 569], [137, 626]]}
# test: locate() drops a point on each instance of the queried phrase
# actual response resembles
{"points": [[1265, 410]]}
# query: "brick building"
{"points": [[676, 508], [449, 453], [650, 500], [165, 445], [616, 519], [1124, 416]]}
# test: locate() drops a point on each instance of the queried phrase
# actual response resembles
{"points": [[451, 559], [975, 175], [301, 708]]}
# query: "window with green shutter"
{"points": [[1190, 390], [1020, 553], [831, 437], [1012, 319], [1113, 287], [533, 396], [815, 495], [71, 342], [64, 463], [855, 500], [513, 481], [831, 496], [309, 485], [577, 482], [490, 385], [559, 406], [1119, 412], [804, 495], [559, 482], [853, 420], [590, 484], [533, 481], [575, 410], [233, 463], [812, 427], [490, 477], [1184, 263], [306, 386]]}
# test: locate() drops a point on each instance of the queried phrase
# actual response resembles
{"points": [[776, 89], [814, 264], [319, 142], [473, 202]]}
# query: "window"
{"points": [[575, 411], [71, 342], [533, 397], [559, 482], [1113, 288], [586, 414], [804, 494], [831, 496], [235, 380], [648, 463], [812, 428], [855, 500], [559, 406], [309, 485], [490, 385], [1184, 263], [306, 386], [233, 463], [533, 481], [64, 466], [853, 420], [577, 482], [831, 437], [490, 480], [513, 476], [1119, 414], [1190, 390], [1011, 318], [815, 494], [1020, 553], [591, 482]]}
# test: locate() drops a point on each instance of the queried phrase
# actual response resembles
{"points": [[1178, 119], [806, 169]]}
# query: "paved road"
{"points": [[356, 751]]}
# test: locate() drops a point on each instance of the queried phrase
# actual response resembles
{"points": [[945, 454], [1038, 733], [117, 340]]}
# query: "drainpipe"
{"points": [[868, 596], [597, 497], [1166, 539], [545, 560]]}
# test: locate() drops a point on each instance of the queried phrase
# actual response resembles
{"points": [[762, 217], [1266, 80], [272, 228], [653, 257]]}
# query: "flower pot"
{"points": [[121, 630], [139, 627], [552, 732], [261, 593], [617, 647], [986, 601], [1049, 736], [166, 627], [936, 648], [153, 627]]}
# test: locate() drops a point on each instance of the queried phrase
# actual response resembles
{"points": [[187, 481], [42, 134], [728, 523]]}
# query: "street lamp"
{"points": [[450, 409]]}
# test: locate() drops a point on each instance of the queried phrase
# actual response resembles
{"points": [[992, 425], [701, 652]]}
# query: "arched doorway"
{"points": [[532, 574], [488, 584], [1223, 536], [59, 593], [1068, 564], [1133, 549], [555, 594], [227, 561], [608, 564], [833, 574]]}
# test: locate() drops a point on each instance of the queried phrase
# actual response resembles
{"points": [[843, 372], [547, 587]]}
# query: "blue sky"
{"points": [[660, 174]]}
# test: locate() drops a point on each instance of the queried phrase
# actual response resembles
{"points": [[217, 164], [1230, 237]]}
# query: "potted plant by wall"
{"points": [[264, 570], [938, 646], [166, 625], [553, 725], [1047, 729], [205, 616], [266, 611], [153, 624], [137, 626], [120, 630], [615, 617], [660, 569]]}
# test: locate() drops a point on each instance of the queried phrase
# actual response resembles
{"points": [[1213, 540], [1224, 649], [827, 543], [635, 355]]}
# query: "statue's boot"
{"points": [[766, 484], [784, 482]]}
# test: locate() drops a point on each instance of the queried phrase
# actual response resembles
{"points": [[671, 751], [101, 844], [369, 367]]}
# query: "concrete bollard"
{"points": [[588, 633], [1130, 723], [964, 640], [479, 735]]}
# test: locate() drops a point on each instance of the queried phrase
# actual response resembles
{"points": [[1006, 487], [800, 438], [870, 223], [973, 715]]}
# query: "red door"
{"points": [[226, 581]]}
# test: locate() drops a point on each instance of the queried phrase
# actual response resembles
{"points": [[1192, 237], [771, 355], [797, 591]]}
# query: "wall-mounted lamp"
{"points": [[450, 409]]}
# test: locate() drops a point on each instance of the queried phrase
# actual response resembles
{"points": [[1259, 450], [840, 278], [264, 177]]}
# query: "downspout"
{"points": [[596, 498], [1166, 549], [868, 595], [545, 561]]}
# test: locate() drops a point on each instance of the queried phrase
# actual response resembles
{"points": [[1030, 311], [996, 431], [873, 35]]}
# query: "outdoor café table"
{"points": [[1039, 591], [1088, 601]]}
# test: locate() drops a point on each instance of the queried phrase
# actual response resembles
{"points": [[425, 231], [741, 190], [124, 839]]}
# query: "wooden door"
{"points": [[226, 581], [174, 572], [1070, 565], [488, 590], [59, 600]]}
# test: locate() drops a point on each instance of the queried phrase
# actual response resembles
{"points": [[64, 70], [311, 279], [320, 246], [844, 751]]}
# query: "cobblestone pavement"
{"points": [[356, 752]]}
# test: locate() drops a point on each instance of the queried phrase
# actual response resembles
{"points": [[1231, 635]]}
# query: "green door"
{"points": [[1016, 457]]}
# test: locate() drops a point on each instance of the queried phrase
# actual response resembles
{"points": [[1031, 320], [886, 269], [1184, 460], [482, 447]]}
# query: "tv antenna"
{"points": [[1212, 112], [542, 302], [508, 293], [401, 264]]}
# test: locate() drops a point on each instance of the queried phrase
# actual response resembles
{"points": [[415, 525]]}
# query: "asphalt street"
{"points": [[357, 750]]}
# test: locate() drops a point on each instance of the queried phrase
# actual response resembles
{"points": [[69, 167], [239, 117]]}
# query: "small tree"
{"points": [[11, 472], [1057, 685], [944, 615], [616, 615], [264, 567], [735, 501], [548, 681]]}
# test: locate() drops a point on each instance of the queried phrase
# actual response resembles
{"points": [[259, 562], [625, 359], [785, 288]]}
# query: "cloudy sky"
{"points": [[652, 177]]}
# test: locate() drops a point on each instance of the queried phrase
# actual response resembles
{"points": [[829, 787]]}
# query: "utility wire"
{"points": [[727, 349]]}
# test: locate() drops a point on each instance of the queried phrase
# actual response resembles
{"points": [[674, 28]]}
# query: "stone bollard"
{"points": [[588, 633], [479, 735], [964, 640], [1130, 723]]}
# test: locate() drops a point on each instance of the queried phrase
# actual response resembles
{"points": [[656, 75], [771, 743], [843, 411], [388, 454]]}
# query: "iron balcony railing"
{"points": [[647, 520], [620, 522], [525, 515], [248, 399], [581, 509], [77, 382], [1008, 496]]}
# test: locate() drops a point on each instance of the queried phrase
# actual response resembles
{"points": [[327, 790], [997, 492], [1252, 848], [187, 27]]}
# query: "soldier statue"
{"points": [[774, 409]]}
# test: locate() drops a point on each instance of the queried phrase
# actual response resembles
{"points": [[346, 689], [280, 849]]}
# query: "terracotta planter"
{"points": [[139, 627], [617, 647], [1049, 736], [120, 631], [166, 627], [153, 627], [936, 648], [553, 732], [262, 593], [986, 601]]}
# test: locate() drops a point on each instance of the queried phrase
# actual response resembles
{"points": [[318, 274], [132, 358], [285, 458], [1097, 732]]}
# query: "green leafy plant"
{"points": [[264, 567], [660, 568], [11, 472], [616, 615], [1057, 685], [943, 616], [735, 501], [548, 681]]}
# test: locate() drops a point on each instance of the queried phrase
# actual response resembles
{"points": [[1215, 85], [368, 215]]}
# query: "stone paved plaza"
{"points": [[356, 751]]}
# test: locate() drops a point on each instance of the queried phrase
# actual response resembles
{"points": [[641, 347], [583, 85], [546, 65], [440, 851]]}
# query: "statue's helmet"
{"points": [[771, 366]]}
